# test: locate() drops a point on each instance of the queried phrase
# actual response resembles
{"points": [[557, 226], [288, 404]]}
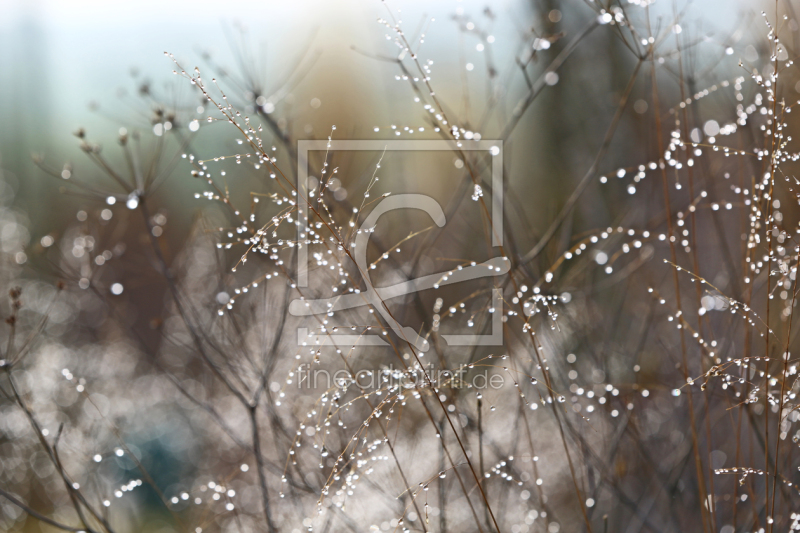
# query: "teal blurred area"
{"points": [[61, 56], [100, 66]]}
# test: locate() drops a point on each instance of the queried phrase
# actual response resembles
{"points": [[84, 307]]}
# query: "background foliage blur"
{"points": [[99, 68]]}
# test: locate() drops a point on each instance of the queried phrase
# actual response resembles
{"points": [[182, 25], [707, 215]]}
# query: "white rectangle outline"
{"points": [[344, 341], [305, 146]]}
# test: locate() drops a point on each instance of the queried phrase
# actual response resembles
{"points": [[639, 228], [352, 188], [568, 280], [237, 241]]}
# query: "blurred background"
{"points": [[78, 73], [81, 63]]}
